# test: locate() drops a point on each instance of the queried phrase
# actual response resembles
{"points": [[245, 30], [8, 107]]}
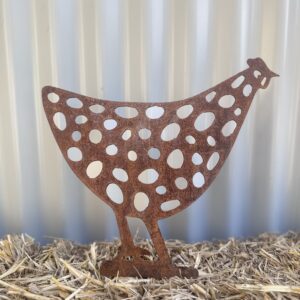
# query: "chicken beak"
{"points": [[272, 74]]}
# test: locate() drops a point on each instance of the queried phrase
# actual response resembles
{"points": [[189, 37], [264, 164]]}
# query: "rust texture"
{"points": [[151, 160]]}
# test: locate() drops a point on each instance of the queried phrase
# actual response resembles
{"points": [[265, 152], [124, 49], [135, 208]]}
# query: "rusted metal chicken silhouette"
{"points": [[151, 160]]}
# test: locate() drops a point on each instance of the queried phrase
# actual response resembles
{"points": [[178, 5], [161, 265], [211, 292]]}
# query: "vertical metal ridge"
{"points": [[11, 178]]}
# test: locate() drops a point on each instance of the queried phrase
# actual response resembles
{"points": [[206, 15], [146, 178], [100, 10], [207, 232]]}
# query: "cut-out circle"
{"points": [[144, 133], [256, 73], [95, 136], [209, 97], [198, 180], [197, 159], [81, 119], [204, 121], [97, 108], [175, 159], [154, 153], [120, 174], [126, 135], [170, 132], [94, 169], [110, 124], [132, 155], [237, 82], [115, 193], [169, 205], [226, 101], [190, 139], [184, 111], [74, 154], [53, 97], [161, 190], [154, 112], [141, 201], [213, 161], [229, 128], [211, 141], [111, 149], [238, 111], [76, 136], [181, 183], [126, 112], [247, 90], [148, 176], [60, 121], [74, 103]]}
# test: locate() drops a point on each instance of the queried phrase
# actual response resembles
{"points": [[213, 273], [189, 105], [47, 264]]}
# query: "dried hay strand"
{"points": [[266, 267]]}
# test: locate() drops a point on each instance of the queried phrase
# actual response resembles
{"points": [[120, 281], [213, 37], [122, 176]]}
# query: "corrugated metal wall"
{"points": [[148, 50]]}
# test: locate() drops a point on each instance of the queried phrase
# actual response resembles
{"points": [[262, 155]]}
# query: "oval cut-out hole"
{"points": [[198, 180], [175, 159], [161, 190], [154, 153], [94, 169], [148, 176], [126, 112], [115, 193], [132, 155], [184, 111], [170, 205], [110, 124], [141, 201], [263, 81], [120, 174], [154, 112], [197, 159], [60, 121], [95, 136], [190, 139], [111, 150], [53, 97], [256, 73], [226, 101], [170, 132], [213, 161], [97, 108], [181, 183], [74, 154], [126, 135], [247, 90], [204, 121], [209, 97], [211, 141], [238, 111], [81, 119], [229, 128], [144, 133], [237, 82], [76, 136], [74, 103]]}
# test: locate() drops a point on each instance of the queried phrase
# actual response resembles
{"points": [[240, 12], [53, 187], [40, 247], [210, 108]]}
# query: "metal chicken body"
{"points": [[151, 160]]}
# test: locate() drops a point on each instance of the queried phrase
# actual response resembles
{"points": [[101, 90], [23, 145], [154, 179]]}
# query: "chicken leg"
{"points": [[131, 260], [128, 250], [166, 268]]}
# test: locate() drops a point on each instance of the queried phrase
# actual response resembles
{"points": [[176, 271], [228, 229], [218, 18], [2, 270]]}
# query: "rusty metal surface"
{"points": [[191, 139]]}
